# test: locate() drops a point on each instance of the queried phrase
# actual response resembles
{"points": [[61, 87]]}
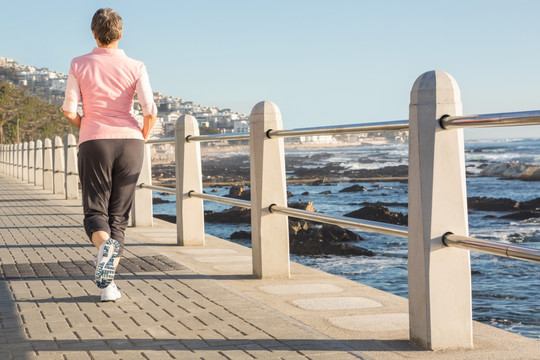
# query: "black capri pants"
{"points": [[109, 170]]}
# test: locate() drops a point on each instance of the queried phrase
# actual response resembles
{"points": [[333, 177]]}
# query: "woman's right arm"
{"points": [[146, 99]]}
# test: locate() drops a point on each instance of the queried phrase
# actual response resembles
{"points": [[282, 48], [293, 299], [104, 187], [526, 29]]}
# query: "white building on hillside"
{"points": [[241, 126]]}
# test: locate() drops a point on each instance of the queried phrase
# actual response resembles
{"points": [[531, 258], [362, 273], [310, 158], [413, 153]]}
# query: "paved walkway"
{"points": [[187, 303]]}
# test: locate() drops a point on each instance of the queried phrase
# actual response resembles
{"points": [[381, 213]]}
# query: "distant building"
{"points": [[317, 139], [241, 126]]}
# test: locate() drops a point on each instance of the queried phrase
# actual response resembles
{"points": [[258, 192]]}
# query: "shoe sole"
{"points": [[105, 269]]}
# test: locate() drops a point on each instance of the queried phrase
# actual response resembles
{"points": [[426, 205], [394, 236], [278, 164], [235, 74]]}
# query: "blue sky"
{"points": [[321, 62]]}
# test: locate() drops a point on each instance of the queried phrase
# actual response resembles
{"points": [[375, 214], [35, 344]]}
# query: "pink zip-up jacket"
{"points": [[106, 80]]}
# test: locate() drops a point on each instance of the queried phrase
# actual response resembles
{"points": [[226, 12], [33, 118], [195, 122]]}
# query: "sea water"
{"points": [[505, 292]]}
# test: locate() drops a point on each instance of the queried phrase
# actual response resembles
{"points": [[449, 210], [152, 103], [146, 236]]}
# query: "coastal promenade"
{"points": [[188, 302]]}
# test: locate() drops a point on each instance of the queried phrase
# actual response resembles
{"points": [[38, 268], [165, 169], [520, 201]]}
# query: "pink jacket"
{"points": [[106, 81]]}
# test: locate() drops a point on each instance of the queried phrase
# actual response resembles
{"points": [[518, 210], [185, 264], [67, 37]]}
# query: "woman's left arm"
{"points": [[74, 117], [71, 100]]}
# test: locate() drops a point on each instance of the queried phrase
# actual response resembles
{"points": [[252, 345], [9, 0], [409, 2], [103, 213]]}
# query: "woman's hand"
{"points": [[74, 117], [149, 121]]}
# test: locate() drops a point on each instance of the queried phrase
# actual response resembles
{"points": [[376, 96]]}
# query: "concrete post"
{"points": [[9, 149], [439, 278], [25, 161], [38, 181], [270, 232], [3, 159], [189, 211], [59, 166], [48, 178], [13, 171], [19, 160], [31, 162], [142, 214], [72, 169]]}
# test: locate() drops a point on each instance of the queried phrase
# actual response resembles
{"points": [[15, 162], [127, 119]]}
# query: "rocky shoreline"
{"points": [[511, 170], [310, 238]]}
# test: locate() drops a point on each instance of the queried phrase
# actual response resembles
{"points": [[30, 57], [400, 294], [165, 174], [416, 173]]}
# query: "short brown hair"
{"points": [[107, 25]]}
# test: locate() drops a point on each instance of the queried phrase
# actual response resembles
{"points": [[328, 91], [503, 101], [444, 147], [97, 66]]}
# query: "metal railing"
{"points": [[365, 225], [446, 122], [398, 125], [521, 118], [491, 247]]}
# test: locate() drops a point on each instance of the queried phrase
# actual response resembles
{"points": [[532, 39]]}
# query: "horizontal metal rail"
{"points": [[520, 118], [217, 137], [343, 129], [366, 225], [491, 247], [169, 140], [157, 188], [221, 199]]}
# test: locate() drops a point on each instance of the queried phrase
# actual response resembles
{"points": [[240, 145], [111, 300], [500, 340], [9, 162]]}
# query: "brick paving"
{"points": [[50, 308]]}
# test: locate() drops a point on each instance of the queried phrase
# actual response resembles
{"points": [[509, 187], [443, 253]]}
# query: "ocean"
{"points": [[505, 292]]}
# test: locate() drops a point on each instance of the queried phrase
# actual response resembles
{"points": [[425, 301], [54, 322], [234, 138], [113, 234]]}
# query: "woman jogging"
{"points": [[111, 143]]}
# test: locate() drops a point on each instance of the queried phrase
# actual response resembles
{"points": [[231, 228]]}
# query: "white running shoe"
{"points": [[105, 264], [110, 293]]}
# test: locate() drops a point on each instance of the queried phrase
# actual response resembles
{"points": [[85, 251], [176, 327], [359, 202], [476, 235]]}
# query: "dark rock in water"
{"points": [[159, 201], [239, 192], [379, 213], [305, 193], [492, 204], [326, 240], [512, 170], [214, 190], [334, 233], [235, 215], [319, 181], [306, 239], [326, 192], [302, 205], [365, 203], [354, 188], [240, 235], [490, 217], [475, 272], [522, 215], [530, 205], [169, 218]]}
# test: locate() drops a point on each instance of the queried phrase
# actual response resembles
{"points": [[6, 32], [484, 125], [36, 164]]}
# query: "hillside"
{"points": [[36, 118]]}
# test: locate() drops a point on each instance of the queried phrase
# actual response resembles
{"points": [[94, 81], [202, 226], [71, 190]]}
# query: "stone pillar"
{"points": [[3, 159], [14, 160], [39, 164], [11, 161], [24, 163], [59, 166], [270, 232], [72, 169], [48, 178], [189, 211], [19, 160], [142, 213], [439, 277], [31, 162]]}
